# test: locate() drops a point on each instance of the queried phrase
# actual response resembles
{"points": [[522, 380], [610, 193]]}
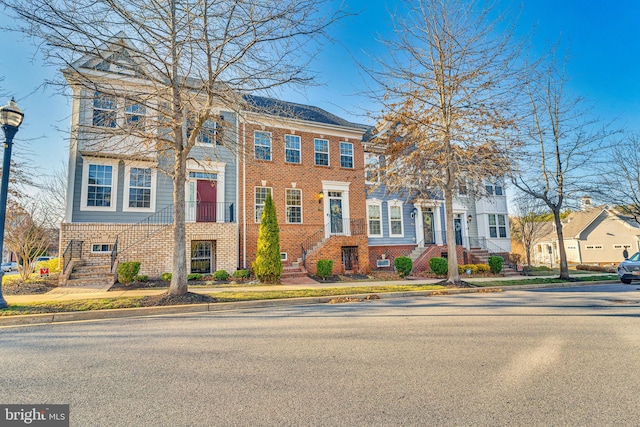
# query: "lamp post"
{"points": [[10, 120]]}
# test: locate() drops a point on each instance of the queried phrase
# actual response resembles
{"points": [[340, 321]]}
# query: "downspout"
{"points": [[244, 195], [237, 195]]}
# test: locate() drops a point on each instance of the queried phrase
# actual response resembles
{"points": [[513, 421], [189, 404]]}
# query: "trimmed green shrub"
{"points": [[495, 264], [324, 268], [268, 265], [439, 266], [194, 276], [403, 266], [166, 277], [242, 274], [142, 278], [127, 271], [220, 275]]}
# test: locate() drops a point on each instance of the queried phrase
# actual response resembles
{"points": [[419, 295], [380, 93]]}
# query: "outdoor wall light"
{"points": [[320, 197], [469, 218]]}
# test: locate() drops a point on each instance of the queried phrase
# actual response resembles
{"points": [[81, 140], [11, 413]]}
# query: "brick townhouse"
{"points": [[312, 163]]}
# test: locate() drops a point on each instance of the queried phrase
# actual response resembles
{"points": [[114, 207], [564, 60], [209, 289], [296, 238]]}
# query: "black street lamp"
{"points": [[10, 119]]}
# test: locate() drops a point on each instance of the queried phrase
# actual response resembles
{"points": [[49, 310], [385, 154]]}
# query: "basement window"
{"points": [[101, 248]]}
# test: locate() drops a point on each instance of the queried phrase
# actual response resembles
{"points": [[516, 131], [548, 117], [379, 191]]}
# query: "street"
{"points": [[512, 358]]}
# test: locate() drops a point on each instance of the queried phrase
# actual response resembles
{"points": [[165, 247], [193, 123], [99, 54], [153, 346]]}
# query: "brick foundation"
{"points": [[154, 252]]}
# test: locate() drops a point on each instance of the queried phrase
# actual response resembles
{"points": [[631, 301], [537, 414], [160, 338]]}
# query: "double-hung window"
{"points": [[260, 198], [294, 206], [321, 152], [104, 110], [139, 191], [346, 155], [374, 218], [497, 226], [396, 227], [262, 145], [292, 148], [99, 184], [134, 113]]}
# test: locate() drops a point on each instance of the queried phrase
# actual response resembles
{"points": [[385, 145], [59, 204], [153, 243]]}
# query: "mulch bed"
{"points": [[17, 287], [166, 299]]}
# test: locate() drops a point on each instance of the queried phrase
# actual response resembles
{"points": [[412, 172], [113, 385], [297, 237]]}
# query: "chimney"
{"points": [[586, 203]]}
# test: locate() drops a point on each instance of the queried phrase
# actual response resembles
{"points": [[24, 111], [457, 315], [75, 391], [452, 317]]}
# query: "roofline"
{"points": [[355, 128]]}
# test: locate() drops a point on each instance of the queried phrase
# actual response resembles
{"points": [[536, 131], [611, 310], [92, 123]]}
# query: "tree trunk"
{"points": [[454, 275], [179, 272], [564, 267]]}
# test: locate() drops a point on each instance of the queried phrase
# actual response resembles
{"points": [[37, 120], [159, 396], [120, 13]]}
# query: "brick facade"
{"points": [[155, 251], [307, 177]]}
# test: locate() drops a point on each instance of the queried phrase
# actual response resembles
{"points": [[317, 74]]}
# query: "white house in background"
{"points": [[593, 235]]}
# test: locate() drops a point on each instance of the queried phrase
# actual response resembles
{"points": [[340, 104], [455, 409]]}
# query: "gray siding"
{"points": [[164, 184], [409, 238]]}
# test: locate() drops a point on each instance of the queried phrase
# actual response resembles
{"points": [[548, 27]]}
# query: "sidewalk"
{"points": [[68, 294]]}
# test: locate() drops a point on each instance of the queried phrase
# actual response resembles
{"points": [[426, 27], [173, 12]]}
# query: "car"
{"points": [[629, 269], [9, 266]]}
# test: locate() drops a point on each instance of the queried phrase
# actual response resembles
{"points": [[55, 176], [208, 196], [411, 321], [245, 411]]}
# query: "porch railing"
{"points": [[73, 250], [210, 212], [343, 227]]}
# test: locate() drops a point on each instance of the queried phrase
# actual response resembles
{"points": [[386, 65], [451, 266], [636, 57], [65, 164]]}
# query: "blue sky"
{"points": [[603, 40]]}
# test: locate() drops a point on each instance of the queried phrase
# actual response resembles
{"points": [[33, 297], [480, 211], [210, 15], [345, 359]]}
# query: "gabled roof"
{"points": [[292, 110], [578, 221]]}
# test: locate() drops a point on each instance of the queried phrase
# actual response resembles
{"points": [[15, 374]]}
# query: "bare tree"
{"points": [[620, 177], [448, 82], [53, 189], [529, 223], [183, 61], [26, 234], [560, 141]]}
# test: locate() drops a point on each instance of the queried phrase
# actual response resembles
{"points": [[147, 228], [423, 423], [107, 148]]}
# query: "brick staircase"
{"points": [[416, 253], [290, 272], [88, 276], [479, 255]]}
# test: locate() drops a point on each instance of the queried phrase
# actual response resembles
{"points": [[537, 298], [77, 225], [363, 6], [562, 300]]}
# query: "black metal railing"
{"points": [[114, 254], [142, 230], [73, 250], [492, 248], [339, 227]]}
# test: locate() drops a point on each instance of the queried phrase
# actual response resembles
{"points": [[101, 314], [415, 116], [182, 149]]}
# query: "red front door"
{"points": [[206, 201]]}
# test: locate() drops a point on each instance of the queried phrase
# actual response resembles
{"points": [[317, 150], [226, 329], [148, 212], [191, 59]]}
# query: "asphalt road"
{"points": [[519, 358]]}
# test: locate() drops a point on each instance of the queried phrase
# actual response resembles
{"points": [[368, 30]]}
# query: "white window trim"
{"points": [[378, 203], [322, 152], [286, 206], [109, 245], [299, 150], [255, 204], [127, 186], [353, 155], [395, 203], [255, 132], [86, 161]]}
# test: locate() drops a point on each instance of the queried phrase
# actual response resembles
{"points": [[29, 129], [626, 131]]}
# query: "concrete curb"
{"points": [[75, 316]]}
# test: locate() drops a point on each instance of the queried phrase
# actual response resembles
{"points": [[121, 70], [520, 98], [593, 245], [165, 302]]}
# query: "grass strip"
{"points": [[227, 296], [543, 280]]}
